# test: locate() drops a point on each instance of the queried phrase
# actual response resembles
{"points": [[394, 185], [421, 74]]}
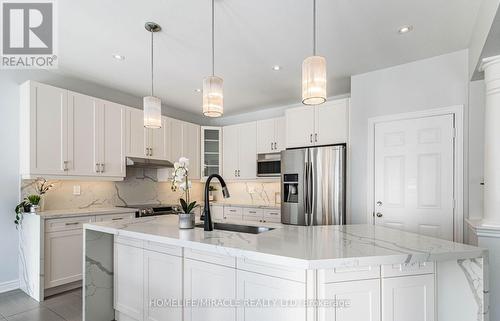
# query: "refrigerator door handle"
{"points": [[310, 192], [306, 196]]}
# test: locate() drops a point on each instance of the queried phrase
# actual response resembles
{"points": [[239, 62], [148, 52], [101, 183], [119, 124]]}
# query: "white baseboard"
{"points": [[9, 286]]}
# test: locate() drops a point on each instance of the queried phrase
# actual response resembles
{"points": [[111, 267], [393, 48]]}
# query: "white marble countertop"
{"points": [[297, 246], [269, 206], [84, 212]]}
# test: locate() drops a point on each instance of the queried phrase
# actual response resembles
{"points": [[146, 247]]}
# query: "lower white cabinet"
{"points": [[283, 294], [63, 257], [355, 301], [128, 281], [409, 298], [162, 281], [209, 281], [145, 281]]}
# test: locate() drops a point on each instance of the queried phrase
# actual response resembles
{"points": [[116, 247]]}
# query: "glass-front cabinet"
{"points": [[211, 151]]}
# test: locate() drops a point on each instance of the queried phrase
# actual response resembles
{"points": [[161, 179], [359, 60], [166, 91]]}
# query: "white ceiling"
{"points": [[355, 36]]}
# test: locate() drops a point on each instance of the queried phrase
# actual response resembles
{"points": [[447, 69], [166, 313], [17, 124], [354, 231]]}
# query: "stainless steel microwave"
{"points": [[269, 165]]}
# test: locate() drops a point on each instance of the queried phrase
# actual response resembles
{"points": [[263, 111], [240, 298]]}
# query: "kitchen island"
{"points": [[148, 269]]}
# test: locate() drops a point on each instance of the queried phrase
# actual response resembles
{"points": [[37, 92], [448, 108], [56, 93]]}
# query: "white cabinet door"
{"points": [[176, 139], [48, 114], [247, 151], [280, 134], [128, 280], [136, 133], [253, 287], [300, 126], [191, 148], [84, 136], [331, 122], [273, 216], [355, 300], [230, 151], [112, 152], [162, 285], [217, 212], [157, 140], [63, 257], [265, 136], [209, 281], [409, 298]]}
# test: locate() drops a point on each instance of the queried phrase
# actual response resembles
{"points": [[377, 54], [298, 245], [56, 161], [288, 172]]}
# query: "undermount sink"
{"points": [[239, 228]]}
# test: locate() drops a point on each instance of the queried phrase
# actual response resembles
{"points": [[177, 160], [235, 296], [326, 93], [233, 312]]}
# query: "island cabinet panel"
{"points": [[409, 298], [351, 301], [204, 281], [269, 298], [128, 281], [162, 283]]}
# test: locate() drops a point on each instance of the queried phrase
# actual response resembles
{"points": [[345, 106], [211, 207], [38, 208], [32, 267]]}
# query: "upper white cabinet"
{"points": [[211, 151], [145, 142], [183, 139], [271, 135], [318, 125], [67, 134], [240, 151]]}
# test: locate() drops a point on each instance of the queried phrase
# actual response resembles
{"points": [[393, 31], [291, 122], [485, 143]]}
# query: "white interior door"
{"points": [[414, 181]]}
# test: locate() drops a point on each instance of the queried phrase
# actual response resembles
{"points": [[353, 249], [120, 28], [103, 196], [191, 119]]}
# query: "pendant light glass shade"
{"points": [[152, 112], [213, 97], [314, 80]]}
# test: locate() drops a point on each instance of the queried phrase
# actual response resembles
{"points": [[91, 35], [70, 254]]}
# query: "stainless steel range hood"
{"points": [[138, 162]]}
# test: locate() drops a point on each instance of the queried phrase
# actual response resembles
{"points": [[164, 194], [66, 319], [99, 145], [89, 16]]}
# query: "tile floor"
{"points": [[17, 306]]}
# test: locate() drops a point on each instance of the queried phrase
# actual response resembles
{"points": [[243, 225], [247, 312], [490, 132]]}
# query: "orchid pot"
{"points": [[180, 180]]}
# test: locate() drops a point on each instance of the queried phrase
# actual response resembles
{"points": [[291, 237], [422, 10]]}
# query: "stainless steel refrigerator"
{"points": [[313, 186]]}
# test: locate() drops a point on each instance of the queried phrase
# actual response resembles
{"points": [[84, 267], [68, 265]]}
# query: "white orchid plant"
{"points": [[180, 180]]}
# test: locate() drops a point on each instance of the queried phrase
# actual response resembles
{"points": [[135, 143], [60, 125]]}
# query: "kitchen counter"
{"points": [[84, 212], [317, 247], [370, 266]]}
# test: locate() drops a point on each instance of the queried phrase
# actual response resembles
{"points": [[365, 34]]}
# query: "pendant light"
{"points": [[314, 73], [213, 97], [152, 104]]}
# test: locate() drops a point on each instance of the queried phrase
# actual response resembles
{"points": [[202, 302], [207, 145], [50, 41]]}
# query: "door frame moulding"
{"points": [[458, 175]]}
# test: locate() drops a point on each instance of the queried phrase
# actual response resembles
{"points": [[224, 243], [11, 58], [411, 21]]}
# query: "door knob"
{"points": [[379, 203], [379, 214]]}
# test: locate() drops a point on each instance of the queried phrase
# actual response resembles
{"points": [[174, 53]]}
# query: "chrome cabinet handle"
{"points": [[239, 173], [253, 212], [379, 214], [272, 146], [102, 167], [379, 203], [65, 166], [72, 223], [150, 151], [97, 169], [117, 218], [316, 138], [275, 145], [311, 138]]}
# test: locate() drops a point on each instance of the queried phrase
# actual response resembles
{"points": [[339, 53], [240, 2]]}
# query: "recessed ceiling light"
{"points": [[276, 67], [405, 29], [197, 90], [119, 57]]}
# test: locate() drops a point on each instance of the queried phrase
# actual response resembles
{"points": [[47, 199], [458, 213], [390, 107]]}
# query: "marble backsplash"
{"points": [[141, 188]]}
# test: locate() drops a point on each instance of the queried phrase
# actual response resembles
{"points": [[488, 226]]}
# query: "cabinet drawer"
{"points": [[210, 257], [273, 216], [129, 241], [278, 271], [233, 213], [163, 248], [350, 274], [67, 224], [113, 217], [253, 214], [392, 270]]}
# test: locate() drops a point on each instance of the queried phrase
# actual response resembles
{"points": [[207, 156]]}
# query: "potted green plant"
{"points": [[34, 201], [22, 207], [180, 180]]}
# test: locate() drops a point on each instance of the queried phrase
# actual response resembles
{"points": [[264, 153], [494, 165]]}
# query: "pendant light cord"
{"points": [[314, 27], [152, 69], [213, 38]]}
